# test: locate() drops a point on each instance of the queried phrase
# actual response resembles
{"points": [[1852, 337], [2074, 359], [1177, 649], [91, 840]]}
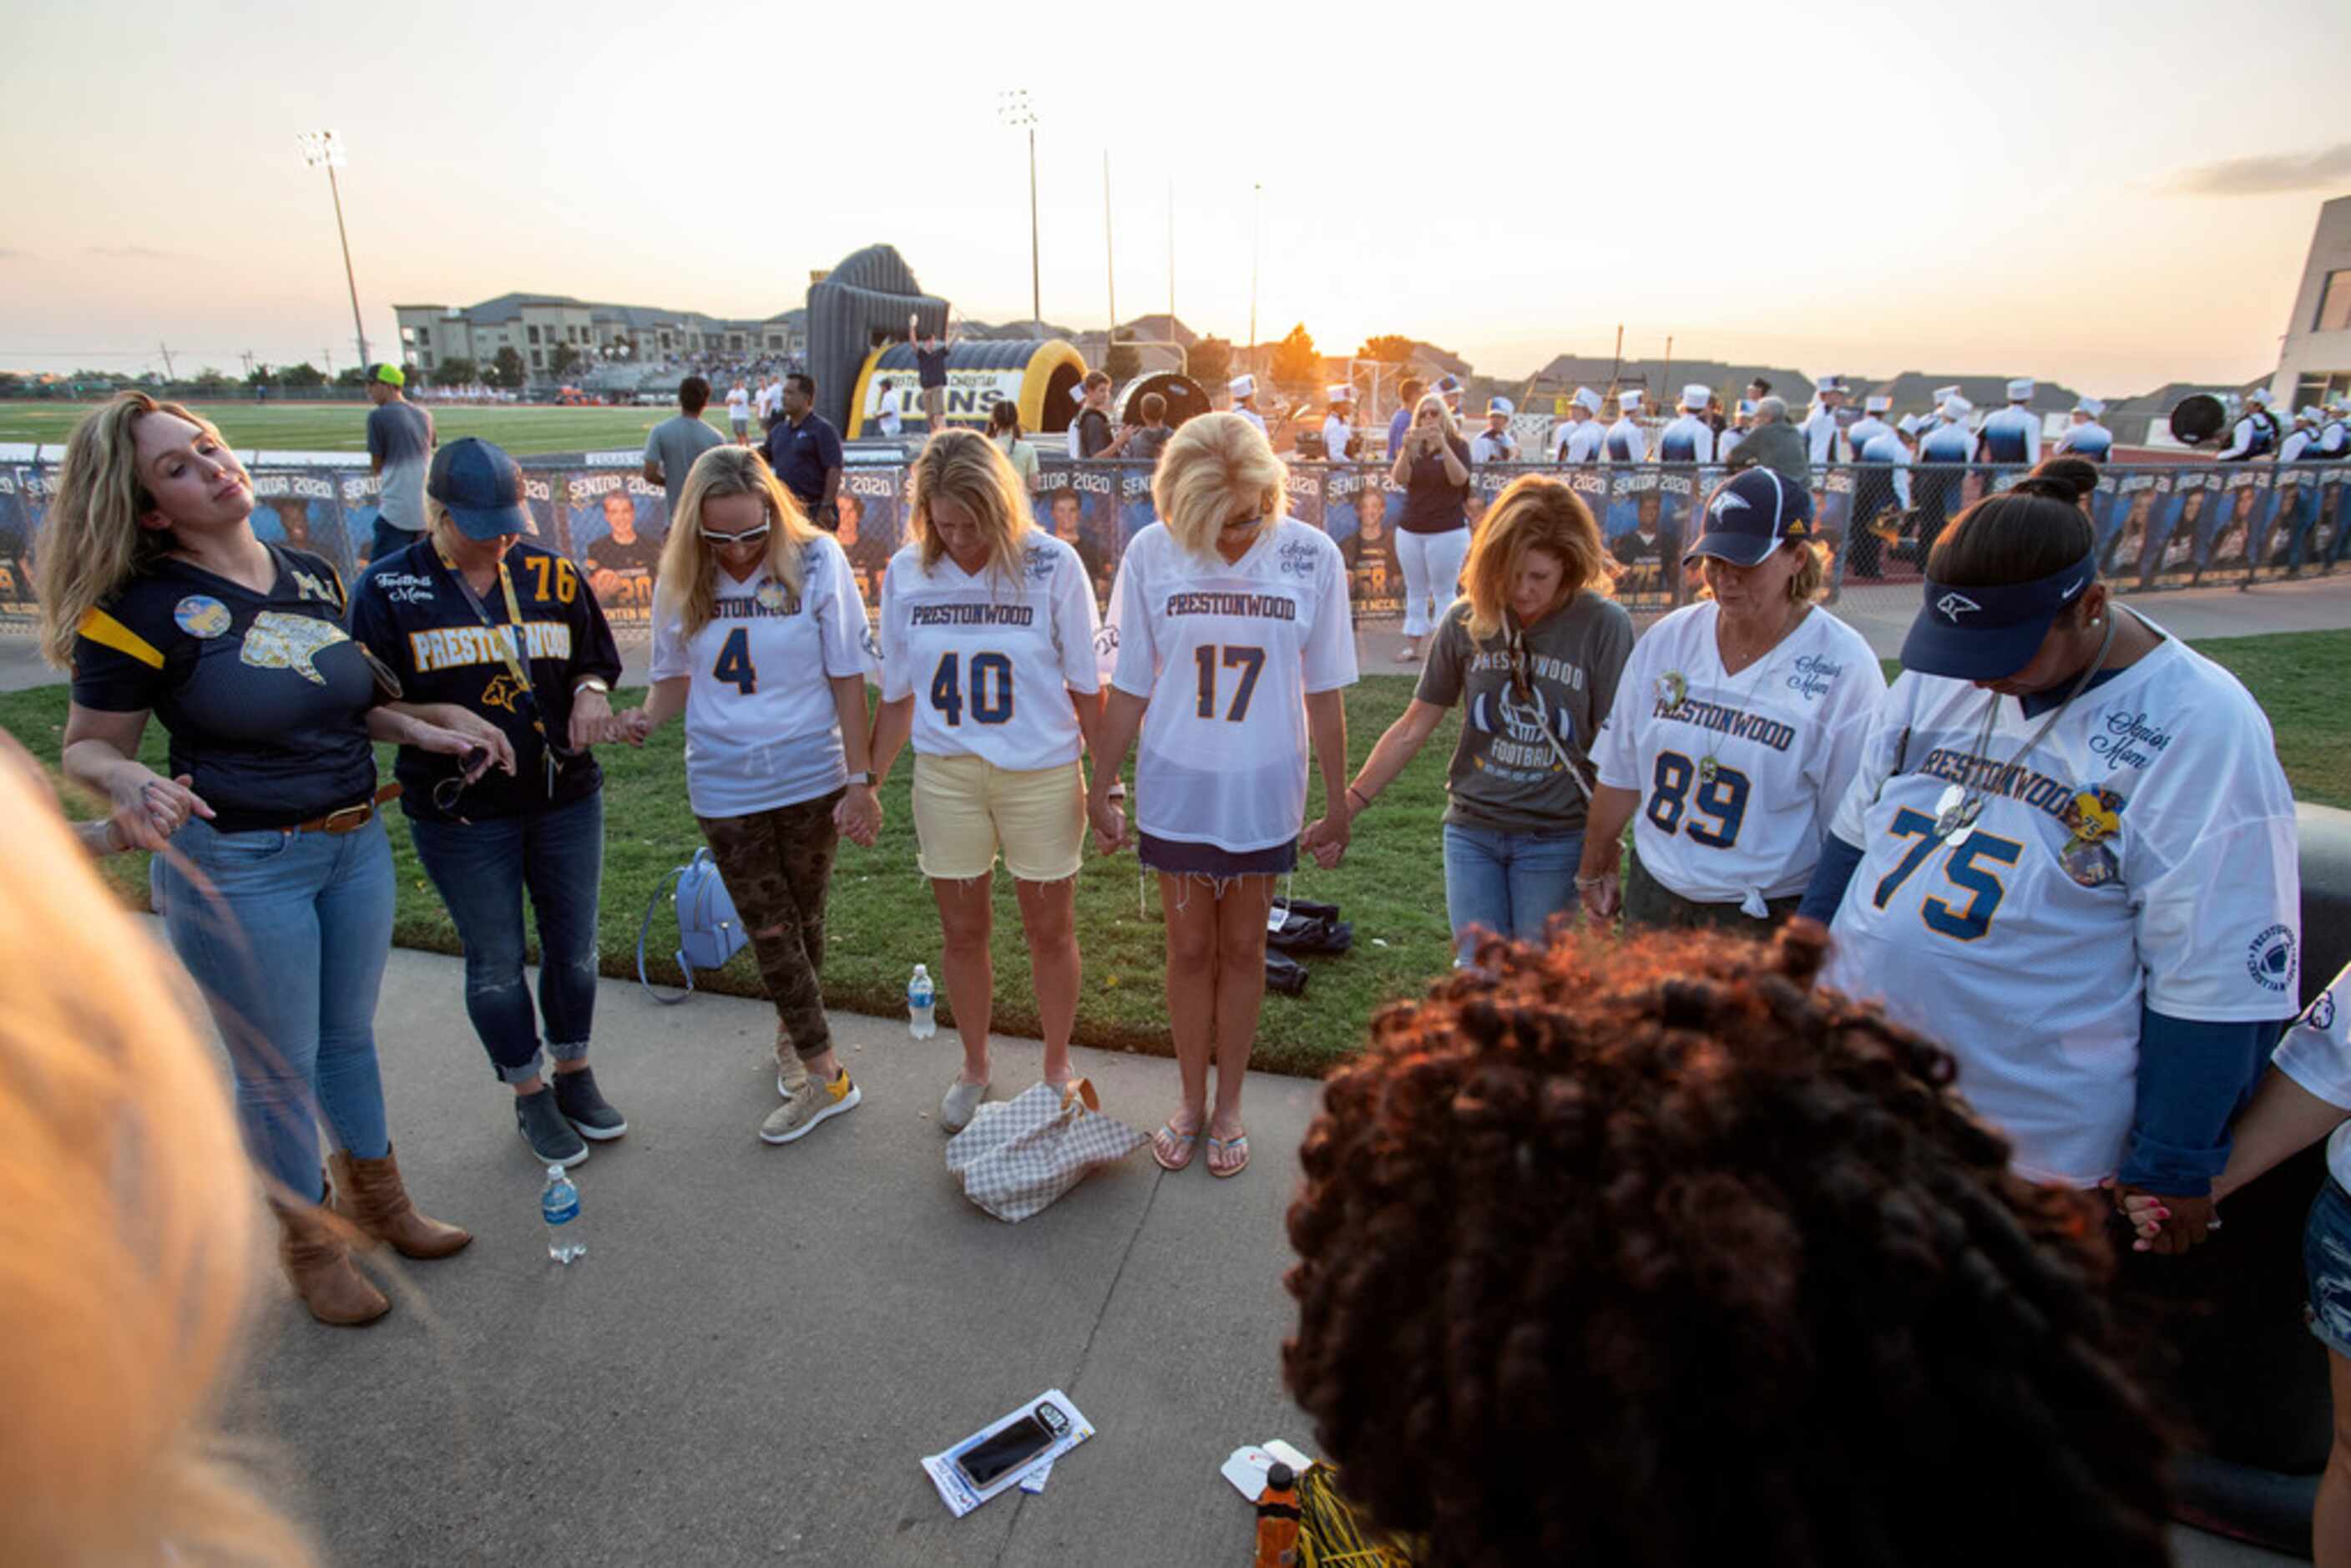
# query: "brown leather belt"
{"points": [[350, 819]]}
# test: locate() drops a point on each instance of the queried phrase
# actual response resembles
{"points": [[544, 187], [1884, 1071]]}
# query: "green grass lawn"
{"points": [[1392, 887], [342, 426]]}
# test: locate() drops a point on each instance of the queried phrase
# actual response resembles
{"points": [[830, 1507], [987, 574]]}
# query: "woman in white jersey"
{"points": [[760, 641], [2070, 847], [1233, 640], [988, 663], [1736, 724]]}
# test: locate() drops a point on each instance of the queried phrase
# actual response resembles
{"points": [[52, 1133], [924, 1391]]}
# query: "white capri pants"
{"points": [[1432, 575]]}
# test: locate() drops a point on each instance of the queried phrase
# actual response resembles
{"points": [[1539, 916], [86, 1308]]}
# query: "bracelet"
{"points": [[1115, 792], [1600, 880], [1352, 793]]}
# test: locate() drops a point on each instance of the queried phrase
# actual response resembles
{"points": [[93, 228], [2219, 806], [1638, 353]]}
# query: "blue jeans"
{"points": [[287, 945], [389, 538], [1507, 884], [482, 869]]}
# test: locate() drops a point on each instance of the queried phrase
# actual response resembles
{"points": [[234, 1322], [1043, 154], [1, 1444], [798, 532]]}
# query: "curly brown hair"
{"points": [[1653, 1253]]}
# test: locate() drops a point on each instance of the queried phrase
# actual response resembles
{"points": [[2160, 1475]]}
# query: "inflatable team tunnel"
{"points": [[1039, 377]]}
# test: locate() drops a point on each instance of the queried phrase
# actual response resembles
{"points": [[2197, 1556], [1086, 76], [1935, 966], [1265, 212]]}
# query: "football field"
{"points": [[342, 426]]}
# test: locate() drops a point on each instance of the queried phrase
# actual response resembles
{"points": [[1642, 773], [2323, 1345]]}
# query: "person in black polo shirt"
{"points": [[931, 367], [437, 613], [279, 898], [804, 450]]}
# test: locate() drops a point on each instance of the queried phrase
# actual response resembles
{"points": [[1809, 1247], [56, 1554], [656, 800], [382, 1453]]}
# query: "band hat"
{"points": [[390, 375], [479, 484], [1243, 386], [1957, 408], [2260, 395], [1877, 402], [1695, 395], [1587, 399], [1343, 392], [1500, 405], [1628, 400], [1989, 632], [2311, 415], [1829, 385], [1448, 386], [1750, 515], [1945, 395], [2091, 406], [2020, 388], [1909, 424]]}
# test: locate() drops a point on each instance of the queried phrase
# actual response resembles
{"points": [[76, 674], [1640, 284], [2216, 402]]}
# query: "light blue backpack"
{"points": [[709, 930]]}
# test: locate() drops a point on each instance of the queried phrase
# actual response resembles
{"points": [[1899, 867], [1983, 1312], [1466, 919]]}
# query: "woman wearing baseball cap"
{"points": [[1737, 723], [275, 883], [2070, 847], [486, 839]]}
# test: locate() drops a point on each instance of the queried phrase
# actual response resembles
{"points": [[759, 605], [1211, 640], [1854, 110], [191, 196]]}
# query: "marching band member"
{"points": [[2256, 432], [1690, 438], [2011, 436], [1625, 443], [1495, 444], [1948, 445], [1244, 392], [1340, 441], [1726, 441], [2085, 437], [1579, 440], [1882, 492], [1872, 423], [1824, 438]]}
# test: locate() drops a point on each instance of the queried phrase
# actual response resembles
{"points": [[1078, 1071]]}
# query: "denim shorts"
{"points": [[2326, 1260], [1181, 857]]}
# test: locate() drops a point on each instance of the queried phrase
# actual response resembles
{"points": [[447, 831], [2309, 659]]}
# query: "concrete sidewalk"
{"points": [[762, 1343]]}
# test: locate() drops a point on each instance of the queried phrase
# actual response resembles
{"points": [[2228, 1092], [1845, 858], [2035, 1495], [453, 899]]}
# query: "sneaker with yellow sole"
{"points": [[799, 1115]]}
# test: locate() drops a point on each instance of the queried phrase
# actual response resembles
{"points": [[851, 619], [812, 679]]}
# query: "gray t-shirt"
{"points": [[1505, 777], [675, 444], [400, 437]]}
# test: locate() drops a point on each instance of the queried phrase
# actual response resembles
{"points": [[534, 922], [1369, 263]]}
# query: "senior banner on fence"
{"points": [[2157, 527]]}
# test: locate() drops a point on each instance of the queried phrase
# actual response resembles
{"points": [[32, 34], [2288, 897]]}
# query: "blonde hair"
{"points": [[131, 1232], [1218, 468], [92, 542], [1445, 415], [971, 469], [1535, 512], [1811, 576], [688, 566]]}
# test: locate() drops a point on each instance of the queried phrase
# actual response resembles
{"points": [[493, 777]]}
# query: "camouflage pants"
{"points": [[777, 866]]}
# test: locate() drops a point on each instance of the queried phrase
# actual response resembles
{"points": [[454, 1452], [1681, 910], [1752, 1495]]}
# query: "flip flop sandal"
{"points": [[1237, 1140], [1187, 1142]]}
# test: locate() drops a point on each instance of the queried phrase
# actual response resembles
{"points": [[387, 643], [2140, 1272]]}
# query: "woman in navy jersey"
{"points": [[276, 883], [1230, 630], [988, 664]]}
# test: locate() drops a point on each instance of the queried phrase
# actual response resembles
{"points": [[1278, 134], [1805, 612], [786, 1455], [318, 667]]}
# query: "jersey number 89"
{"points": [[1722, 797], [991, 688]]}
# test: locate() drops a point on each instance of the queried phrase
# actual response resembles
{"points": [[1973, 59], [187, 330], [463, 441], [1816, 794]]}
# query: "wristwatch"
{"points": [[865, 778], [592, 683]]}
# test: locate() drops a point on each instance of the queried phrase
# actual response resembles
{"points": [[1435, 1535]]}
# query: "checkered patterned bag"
{"points": [[1018, 1155]]}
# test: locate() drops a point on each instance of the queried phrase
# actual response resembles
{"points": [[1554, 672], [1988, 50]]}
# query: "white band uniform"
{"points": [[1784, 735], [1227, 654], [2141, 853]]}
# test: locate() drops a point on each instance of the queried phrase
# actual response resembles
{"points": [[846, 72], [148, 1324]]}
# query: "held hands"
{"points": [[471, 729], [631, 726], [858, 816], [1600, 893], [148, 809], [1327, 837], [2165, 1226], [1109, 819]]}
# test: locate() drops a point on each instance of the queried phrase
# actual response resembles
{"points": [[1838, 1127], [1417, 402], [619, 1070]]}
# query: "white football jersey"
{"points": [[2142, 853], [1785, 735], [2316, 1054], [761, 731], [990, 663], [1225, 656]]}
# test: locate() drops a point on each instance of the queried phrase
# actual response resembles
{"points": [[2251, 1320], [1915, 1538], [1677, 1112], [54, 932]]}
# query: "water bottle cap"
{"points": [[920, 970], [554, 1172]]}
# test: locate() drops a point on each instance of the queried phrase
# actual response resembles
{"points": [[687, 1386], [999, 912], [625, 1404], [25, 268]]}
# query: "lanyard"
{"points": [[509, 647]]}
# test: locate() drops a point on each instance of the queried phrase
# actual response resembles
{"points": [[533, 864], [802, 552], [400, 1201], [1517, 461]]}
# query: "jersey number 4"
{"points": [[734, 664], [1722, 797], [1250, 662], [991, 688], [1980, 882]]}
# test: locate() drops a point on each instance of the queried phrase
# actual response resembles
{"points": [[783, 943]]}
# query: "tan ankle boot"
{"points": [[368, 1194], [318, 1265]]}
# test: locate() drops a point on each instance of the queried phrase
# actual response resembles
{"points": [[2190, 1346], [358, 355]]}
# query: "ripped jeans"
{"points": [[482, 870]]}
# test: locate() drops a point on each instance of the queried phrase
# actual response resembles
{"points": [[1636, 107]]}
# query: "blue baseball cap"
{"points": [[481, 486], [1989, 632], [1749, 514]]}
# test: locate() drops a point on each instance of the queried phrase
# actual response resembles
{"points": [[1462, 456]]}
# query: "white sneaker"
{"points": [[800, 1114], [960, 1103]]}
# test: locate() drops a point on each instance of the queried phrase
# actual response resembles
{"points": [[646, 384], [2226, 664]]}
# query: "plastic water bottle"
{"points": [[558, 1205], [921, 1010]]}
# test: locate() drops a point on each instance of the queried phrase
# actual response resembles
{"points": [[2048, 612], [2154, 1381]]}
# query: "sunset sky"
{"points": [[2108, 193]]}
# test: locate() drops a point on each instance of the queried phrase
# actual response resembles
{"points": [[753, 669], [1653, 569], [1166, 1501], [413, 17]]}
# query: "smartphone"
{"points": [[1009, 1448]]}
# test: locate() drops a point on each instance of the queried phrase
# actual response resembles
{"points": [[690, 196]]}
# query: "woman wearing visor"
{"points": [[1738, 723], [438, 614], [1533, 652], [2071, 849]]}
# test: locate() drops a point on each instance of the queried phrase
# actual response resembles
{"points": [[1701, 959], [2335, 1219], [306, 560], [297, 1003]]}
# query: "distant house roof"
{"points": [[1661, 377], [1916, 390], [510, 306]]}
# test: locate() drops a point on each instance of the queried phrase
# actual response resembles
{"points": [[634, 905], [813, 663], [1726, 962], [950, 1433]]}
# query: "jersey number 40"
{"points": [[991, 697]]}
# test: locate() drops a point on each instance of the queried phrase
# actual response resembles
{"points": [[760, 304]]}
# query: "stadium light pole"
{"points": [[324, 149], [1013, 109]]}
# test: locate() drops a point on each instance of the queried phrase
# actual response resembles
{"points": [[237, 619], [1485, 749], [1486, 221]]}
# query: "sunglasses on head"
{"points": [[747, 536]]}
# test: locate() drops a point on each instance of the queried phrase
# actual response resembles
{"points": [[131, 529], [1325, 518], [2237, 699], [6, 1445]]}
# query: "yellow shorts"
{"points": [[965, 807]]}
